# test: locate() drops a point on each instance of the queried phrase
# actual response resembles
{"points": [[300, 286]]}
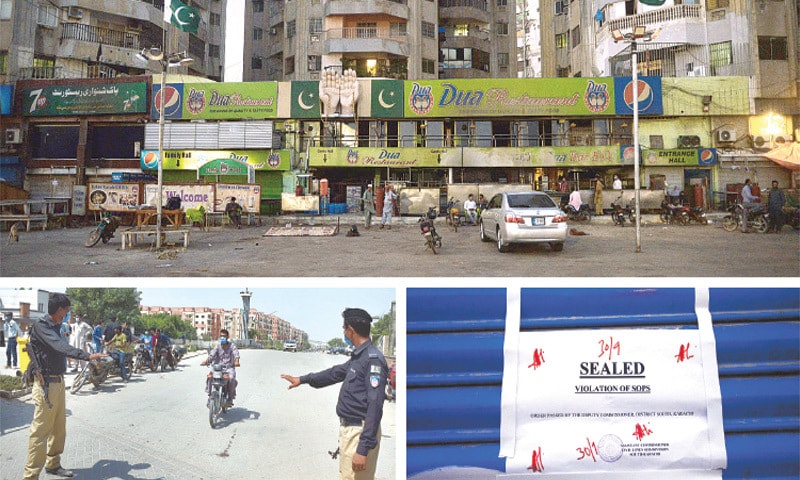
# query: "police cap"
{"points": [[356, 315]]}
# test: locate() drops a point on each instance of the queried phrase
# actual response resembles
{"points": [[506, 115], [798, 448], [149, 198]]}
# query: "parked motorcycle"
{"points": [[671, 213], [104, 230], [163, 359], [218, 396], [454, 218], [793, 218], [698, 215], [95, 371], [618, 213], [142, 359], [178, 351], [583, 214], [432, 239], [757, 218], [116, 370]]}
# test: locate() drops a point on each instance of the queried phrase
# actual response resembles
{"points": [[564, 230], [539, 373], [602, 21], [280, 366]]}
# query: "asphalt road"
{"points": [[156, 426], [605, 251]]}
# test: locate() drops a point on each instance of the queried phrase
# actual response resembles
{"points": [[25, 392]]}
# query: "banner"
{"points": [[305, 99], [192, 196], [259, 160], [690, 157], [650, 97], [247, 195], [80, 99], [114, 197], [387, 99]]}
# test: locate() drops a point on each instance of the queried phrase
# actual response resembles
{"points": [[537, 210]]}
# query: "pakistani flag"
{"points": [[181, 15]]}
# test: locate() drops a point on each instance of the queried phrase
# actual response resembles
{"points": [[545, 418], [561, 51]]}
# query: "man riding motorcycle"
{"points": [[227, 354], [162, 346]]}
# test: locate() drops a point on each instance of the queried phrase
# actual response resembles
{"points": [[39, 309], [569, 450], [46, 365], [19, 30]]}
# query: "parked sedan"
{"points": [[523, 217]]}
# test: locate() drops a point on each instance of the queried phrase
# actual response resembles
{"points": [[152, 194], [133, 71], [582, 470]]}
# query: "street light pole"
{"points": [[636, 180], [160, 195]]}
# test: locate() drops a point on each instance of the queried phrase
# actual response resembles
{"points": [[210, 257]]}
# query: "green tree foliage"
{"points": [[101, 303], [336, 342], [385, 327], [172, 325]]}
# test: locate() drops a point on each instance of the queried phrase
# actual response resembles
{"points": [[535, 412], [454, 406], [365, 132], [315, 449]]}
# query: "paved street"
{"points": [[605, 251], [156, 426]]}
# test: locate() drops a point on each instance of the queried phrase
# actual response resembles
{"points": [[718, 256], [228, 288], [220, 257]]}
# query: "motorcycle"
{"points": [[142, 359], [618, 213], [95, 371], [164, 358], [218, 393], [104, 230], [453, 217], [671, 213], [697, 215], [178, 351], [116, 370], [757, 218], [432, 239], [583, 214]]}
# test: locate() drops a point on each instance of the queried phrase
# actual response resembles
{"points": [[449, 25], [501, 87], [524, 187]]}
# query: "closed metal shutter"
{"points": [[455, 366]]}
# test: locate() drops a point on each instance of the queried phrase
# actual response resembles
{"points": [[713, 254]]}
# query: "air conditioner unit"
{"points": [[781, 140], [688, 141], [697, 72], [13, 136], [74, 12], [273, 31], [761, 141], [726, 135]]}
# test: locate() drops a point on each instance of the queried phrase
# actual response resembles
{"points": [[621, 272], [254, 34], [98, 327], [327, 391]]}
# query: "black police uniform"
{"points": [[362, 394], [50, 349]]}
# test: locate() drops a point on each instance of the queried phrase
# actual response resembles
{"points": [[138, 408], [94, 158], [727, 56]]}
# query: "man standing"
{"points": [[227, 354], [598, 195], [11, 331], [111, 326], [748, 202], [617, 183], [368, 199], [97, 336], [775, 202], [48, 352], [388, 207], [81, 332], [360, 405]]}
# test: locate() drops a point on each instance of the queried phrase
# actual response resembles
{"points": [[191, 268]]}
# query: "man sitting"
{"points": [[234, 212], [471, 210]]}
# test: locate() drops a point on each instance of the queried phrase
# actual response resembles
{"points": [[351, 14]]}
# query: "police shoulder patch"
{"points": [[374, 381], [375, 369]]}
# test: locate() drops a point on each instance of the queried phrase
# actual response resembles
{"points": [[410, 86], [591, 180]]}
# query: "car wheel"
{"points": [[484, 237], [557, 246], [502, 247]]}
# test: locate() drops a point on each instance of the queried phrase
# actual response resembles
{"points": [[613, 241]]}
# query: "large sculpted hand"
{"points": [[329, 88], [349, 93]]}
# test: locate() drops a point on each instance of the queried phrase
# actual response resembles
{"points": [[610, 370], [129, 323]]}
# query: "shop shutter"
{"points": [[455, 365]]}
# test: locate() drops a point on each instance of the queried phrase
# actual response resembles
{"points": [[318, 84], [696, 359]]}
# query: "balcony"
{"points": [[392, 8], [464, 11], [106, 36], [365, 40], [39, 73]]}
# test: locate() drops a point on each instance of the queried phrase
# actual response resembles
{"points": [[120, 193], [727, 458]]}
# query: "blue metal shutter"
{"points": [[455, 365]]}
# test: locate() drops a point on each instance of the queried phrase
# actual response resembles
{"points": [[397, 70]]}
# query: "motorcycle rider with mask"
{"points": [[227, 354]]}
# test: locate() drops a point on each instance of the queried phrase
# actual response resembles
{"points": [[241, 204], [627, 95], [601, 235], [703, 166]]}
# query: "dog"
{"points": [[574, 231], [13, 233], [353, 232]]}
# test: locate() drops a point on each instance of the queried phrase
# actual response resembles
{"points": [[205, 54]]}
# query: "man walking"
{"points": [[775, 202], [388, 207], [360, 405], [11, 331], [48, 352], [368, 199]]}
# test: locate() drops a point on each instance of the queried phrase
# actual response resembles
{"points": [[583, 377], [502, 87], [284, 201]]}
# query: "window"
{"points": [[502, 3], [197, 48], [576, 36], [255, 63], [772, 48], [721, 54], [258, 33], [397, 30], [314, 25], [428, 66], [291, 29], [715, 4], [562, 40], [562, 72], [258, 6], [314, 63], [502, 60], [215, 19], [561, 6], [289, 65], [213, 51], [5, 9], [502, 28], [48, 16], [461, 30], [428, 30]]}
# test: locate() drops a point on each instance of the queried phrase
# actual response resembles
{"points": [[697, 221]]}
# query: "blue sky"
{"points": [[317, 311]]}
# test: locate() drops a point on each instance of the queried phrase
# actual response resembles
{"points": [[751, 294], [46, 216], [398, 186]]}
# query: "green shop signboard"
{"points": [[511, 96], [210, 161], [85, 100], [230, 100], [693, 157]]}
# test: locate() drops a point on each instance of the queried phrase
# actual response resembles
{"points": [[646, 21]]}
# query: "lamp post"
{"points": [[180, 59], [639, 33]]}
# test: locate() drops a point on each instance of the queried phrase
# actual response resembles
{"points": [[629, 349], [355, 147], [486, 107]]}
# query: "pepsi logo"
{"points": [[172, 101], [706, 157], [646, 96], [151, 160]]}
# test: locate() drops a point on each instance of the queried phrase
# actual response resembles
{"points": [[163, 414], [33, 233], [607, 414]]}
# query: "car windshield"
{"points": [[528, 200]]}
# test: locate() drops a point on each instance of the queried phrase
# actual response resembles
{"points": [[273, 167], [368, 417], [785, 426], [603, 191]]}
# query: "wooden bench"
{"points": [[130, 238], [247, 219], [27, 219]]}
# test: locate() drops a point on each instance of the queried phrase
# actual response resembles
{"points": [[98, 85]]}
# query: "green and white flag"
{"points": [[181, 15]]}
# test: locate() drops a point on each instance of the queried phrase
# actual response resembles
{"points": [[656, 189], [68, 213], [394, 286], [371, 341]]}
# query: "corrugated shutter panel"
{"points": [[455, 362], [179, 135], [258, 135], [210, 135], [231, 134], [206, 136]]}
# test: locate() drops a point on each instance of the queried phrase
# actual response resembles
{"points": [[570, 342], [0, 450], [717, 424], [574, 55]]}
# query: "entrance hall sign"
{"points": [[704, 157], [117, 98]]}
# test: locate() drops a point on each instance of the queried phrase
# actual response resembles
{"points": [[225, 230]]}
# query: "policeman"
{"points": [[48, 351], [360, 405]]}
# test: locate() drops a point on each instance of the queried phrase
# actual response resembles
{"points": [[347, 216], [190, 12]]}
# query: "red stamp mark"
{"points": [[683, 353], [609, 348], [589, 451], [536, 461], [641, 431], [538, 358]]}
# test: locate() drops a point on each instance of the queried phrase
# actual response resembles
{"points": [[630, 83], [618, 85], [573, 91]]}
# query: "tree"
{"points": [[385, 327], [172, 325], [336, 342], [101, 303]]}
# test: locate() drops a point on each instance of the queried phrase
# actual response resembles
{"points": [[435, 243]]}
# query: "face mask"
{"points": [[66, 318], [223, 340], [347, 341]]}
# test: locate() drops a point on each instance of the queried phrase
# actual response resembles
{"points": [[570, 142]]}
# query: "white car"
{"points": [[290, 346], [523, 217]]}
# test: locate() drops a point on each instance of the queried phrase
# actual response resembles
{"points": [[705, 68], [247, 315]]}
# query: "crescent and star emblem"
{"points": [[383, 103], [300, 101], [178, 17]]}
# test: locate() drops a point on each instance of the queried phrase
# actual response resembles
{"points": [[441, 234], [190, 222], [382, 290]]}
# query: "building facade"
{"points": [[384, 38]]}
